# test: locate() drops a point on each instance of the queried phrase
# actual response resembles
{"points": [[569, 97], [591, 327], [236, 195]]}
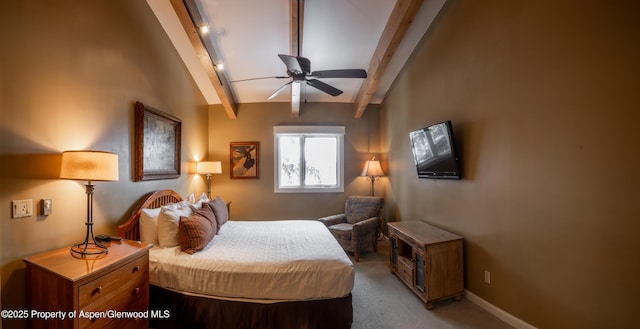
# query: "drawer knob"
{"points": [[97, 291], [136, 269], [136, 291]]}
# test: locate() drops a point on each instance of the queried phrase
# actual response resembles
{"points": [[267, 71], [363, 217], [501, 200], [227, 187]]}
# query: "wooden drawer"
{"points": [[126, 301], [405, 270], [126, 277], [124, 289]]}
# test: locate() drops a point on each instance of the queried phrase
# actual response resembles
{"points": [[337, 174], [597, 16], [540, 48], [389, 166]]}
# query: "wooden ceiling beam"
{"points": [[296, 15], [190, 19], [399, 21]]}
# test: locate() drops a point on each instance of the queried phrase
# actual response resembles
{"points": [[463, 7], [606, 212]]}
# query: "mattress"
{"points": [[259, 260]]}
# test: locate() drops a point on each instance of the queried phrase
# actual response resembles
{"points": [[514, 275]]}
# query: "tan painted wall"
{"points": [[254, 198], [71, 72], [544, 100]]}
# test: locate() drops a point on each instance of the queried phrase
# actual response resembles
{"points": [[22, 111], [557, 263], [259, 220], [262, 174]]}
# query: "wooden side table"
{"points": [[427, 259], [107, 291]]}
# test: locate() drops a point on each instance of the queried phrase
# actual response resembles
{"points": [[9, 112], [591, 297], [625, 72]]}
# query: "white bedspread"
{"points": [[269, 260]]}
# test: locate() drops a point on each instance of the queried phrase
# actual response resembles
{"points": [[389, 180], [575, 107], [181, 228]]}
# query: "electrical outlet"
{"points": [[487, 277], [22, 208], [46, 206]]}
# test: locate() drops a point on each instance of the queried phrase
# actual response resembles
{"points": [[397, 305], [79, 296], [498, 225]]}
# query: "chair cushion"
{"points": [[359, 208], [341, 231]]}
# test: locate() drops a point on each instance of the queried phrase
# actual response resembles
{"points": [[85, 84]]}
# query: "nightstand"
{"points": [[95, 289]]}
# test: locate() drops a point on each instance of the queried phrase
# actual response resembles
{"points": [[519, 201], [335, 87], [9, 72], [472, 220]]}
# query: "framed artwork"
{"points": [[244, 159], [156, 143]]}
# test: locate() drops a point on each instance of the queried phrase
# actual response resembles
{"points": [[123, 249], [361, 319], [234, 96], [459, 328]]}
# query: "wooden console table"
{"points": [[428, 260]]}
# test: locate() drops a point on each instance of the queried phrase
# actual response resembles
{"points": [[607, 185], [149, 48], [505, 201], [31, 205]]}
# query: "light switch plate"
{"points": [[47, 207], [22, 208]]}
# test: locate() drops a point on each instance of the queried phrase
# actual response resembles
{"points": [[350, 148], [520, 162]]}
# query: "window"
{"points": [[308, 159]]}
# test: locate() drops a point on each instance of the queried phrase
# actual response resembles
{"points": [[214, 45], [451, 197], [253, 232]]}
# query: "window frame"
{"points": [[309, 131]]}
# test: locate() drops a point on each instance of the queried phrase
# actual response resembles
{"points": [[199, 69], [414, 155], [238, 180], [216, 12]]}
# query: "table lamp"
{"points": [[89, 166], [208, 168]]}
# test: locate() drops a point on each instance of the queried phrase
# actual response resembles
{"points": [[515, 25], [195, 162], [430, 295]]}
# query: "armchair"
{"points": [[357, 228]]}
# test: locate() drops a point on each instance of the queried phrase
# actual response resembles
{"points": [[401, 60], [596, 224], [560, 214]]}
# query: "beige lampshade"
{"points": [[89, 166], [209, 167], [372, 169]]}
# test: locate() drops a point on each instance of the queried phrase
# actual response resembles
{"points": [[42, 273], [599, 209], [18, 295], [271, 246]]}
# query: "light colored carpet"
{"points": [[382, 301]]}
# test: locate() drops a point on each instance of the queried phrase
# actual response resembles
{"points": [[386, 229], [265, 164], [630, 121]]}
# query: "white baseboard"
{"points": [[499, 313]]}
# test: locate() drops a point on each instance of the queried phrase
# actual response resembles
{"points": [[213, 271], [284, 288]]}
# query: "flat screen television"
{"points": [[434, 152]]}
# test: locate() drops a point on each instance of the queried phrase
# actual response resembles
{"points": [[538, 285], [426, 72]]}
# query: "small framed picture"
{"points": [[244, 160]]}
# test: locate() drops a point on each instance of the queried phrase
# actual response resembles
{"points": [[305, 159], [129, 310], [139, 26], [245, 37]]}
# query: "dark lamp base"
{"points": [[88, 249]]}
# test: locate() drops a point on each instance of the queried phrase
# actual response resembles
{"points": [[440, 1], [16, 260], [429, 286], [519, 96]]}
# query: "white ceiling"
{"points": [[337, 34]]}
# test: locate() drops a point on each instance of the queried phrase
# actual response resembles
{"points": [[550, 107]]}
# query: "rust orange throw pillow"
{"points": [[195, 231]]}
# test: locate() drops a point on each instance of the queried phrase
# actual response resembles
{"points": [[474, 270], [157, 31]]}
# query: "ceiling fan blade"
{"points": [[261, 78], [295, 98], [324, 87], [305, 64], [291, 62], [296, 64], [354, 73], [279, 90]]}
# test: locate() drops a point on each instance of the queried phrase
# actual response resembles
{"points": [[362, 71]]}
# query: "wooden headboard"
{"points": [[130, 229]]}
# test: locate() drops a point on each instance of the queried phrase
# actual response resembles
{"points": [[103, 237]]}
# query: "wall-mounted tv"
{"points": [[434, 152]]}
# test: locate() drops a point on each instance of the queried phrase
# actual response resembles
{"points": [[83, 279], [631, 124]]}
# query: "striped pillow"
{"points": [[195, 231]]}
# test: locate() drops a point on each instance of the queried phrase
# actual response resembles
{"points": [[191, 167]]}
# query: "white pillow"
{"points": [[191, 198], [183, 203], [168, 225], [149, 225], [197, 205]]}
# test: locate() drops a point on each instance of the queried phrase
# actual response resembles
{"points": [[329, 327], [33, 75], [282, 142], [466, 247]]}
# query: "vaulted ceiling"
{"points": [[236, 60]]}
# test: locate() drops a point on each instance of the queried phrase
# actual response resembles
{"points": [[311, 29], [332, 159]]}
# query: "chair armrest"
{"points": [[333, 219], [366, 226]]}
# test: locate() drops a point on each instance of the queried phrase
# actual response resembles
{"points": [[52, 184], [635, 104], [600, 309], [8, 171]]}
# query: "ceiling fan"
{"points": [[299, 70]]}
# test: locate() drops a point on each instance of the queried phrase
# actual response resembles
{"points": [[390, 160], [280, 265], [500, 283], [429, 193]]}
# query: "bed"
{"points": [[252, 274]]}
